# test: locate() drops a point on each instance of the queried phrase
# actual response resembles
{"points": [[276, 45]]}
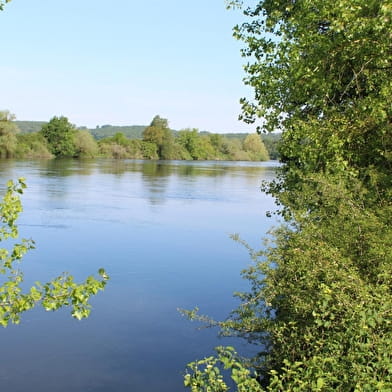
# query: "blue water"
{"points": [[161, 230]]}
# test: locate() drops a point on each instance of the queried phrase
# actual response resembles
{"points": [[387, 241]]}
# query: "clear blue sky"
{"points": [[122, 62]]}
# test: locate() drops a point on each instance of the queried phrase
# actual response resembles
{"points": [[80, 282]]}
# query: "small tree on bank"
{"points": [[60, 136], [158, 132], [8, 131]]}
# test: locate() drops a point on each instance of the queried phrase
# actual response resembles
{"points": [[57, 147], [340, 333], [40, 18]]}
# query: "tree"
{"points": [[255, 147], [155, 132], [8, 131], [191, 141], [158, 132], [32, 146], [322, 75], [60, 135], [319, 305], [60, 292], [85, 145]]}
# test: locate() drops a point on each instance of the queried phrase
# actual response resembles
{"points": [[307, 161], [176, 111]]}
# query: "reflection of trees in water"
{"points": [[158, 178], [155, 177], [154, 174], [118, 167], [59, 173], [122, 166], [66, 167], [221, 170], [186, 170]]}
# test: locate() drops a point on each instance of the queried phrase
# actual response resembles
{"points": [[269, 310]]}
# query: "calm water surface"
{"points": [[161, 230]]}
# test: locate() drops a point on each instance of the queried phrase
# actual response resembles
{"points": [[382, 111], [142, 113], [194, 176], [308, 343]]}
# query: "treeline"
{"points": [[59, 139]]}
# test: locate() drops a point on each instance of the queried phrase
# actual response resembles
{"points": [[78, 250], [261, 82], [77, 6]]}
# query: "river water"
{"points": [[161, 230]]}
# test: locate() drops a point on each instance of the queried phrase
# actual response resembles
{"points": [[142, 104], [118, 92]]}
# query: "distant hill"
{"points": [[29, 126], [237, 135], [130, 131]]}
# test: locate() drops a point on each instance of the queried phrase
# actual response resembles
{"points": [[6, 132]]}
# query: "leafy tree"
{"points": [[216, 140], [159, 133], [191, 141], [320, 303], [207, 148], [60, 135], [219, 144], [255, 147], [155, 132], [323, 76], [159, 122], [149, 150], [85, 145], [32, 145], [60, 292], [112, 150], [8, 132], [120, 147]]}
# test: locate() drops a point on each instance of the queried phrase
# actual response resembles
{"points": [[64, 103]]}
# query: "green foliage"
{"points": [[60, 136], [120, 147], [112, 150], [205, 375], [190, 140], [136, 132], [198, 147], [32, 146], [322, 74], [8, 132], [60, 292], [254, 146], [205, 146], [271, 142], [320, 303], [149, 150], [158, 132], [85, 145], [124, 142]]}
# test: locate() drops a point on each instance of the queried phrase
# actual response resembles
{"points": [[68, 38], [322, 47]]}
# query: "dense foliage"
{"points": [[60, 292], [8, 130], [135, 132], [59, 134], [60, 139], [320, 303]]}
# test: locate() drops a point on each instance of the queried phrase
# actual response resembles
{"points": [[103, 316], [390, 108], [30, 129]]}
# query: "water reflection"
{"points": [[66, 167], [157, 181], [155, 177]]}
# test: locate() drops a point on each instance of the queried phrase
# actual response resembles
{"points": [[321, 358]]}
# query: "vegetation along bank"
{"points": [[58, 138]]}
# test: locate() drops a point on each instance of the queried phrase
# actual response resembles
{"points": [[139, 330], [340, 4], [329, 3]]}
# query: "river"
{"points": [[161, 230]]}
